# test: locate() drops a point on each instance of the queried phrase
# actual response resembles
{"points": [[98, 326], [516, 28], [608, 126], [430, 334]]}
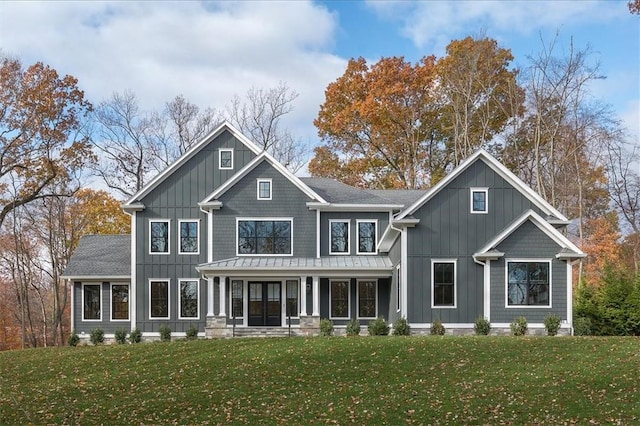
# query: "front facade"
{"points": [[229, 242]]}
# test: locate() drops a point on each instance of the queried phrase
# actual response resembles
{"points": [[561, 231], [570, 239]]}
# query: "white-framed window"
{"points": [[119, 302], [339, 236], [159, 236], [367, 236], [528, 283], [443, 283], [479, 200], [159, 300], [225, 156], [367, 297], [292, 289], [188, 299], [264, 237], [189, 236], [92, 302], [398, 289], [339, 299], [263, 188]]}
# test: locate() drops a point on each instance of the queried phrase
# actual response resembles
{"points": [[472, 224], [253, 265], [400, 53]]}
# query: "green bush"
{"points": [[519, 326], [326, 327], [482, 326], [135, 336], [353, 327], [165, 333], [192, 333], [73, 339], [121, 337], [401, 327], [96, 336], [552, 324], [582, 326], [378, 327], [437, 329]]}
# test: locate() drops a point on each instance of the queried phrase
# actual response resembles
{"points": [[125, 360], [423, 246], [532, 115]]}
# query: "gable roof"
{"points": [[500, 169], [101, 257]]}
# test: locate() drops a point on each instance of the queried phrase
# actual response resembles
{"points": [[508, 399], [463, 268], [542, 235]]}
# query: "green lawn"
{"points": [[361, 380]]}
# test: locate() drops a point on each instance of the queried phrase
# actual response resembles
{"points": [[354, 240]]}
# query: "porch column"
{"points": [[210, 296], [303, 296], [223, 296], [316, 296]]}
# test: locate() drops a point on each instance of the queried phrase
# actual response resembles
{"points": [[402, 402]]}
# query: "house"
{"points": [[228, 241]]}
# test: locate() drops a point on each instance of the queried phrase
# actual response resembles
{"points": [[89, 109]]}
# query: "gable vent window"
{"points": [[264, 189], [479, 200], [226, 159]]}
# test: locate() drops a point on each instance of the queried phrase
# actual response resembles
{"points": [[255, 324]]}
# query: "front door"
{"points": [[264, 304]]}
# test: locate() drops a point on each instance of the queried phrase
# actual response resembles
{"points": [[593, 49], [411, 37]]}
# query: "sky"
{"points": [[210, 51]]}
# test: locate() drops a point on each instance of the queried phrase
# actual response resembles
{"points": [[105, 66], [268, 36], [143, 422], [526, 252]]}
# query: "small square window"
{"points": [[479, 200], [226, 159], [264, 189]]}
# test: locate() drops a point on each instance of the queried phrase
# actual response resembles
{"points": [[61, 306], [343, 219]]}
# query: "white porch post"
{"points": [[316, 296], [210, 296], [303, 296], [223, 296]]}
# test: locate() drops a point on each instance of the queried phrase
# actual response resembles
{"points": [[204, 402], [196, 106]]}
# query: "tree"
{"points": [[634, 7]]}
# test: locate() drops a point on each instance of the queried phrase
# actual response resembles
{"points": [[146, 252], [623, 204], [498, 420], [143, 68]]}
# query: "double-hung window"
{"points": [[367, 236], [528, 283], [367, 298], [264, 237], [189, 237], [159, 237], [159, 299], [339, 236], [119, 302], [91, 302], [339, 298], [443, 283], [226, 159], [188, 292]]}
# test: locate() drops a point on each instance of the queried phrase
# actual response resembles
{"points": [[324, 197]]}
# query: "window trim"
{"points": [[168, 281], [220, 151], [183, 280], [339, 253], [101, 307], [128, 302], [168, 222], [399, 289], [263, 219], [506, 282], [358, 281], [286, 299], [455, 283], [264, 180], [486, 200], [375, 237], [197, 222], [348, 281]]}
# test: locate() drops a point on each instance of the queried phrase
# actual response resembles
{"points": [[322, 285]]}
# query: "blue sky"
{"points": [[211, 51]]}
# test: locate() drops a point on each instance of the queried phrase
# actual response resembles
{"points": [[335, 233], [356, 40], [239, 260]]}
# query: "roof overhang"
{"points": [[130, 208], [393, 230], [335, 207], [96, 277]]}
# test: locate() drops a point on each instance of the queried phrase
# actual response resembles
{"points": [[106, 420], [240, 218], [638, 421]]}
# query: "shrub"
{"points": [[96, 336], [519, 326], [353, 327], [552, 324], [326, 327], [437, 329], [482, 326], [401, 327], [165, 333], [135, 336], [121, 337], [192, 333], [582, 326], [73, 339], [378, 327]]}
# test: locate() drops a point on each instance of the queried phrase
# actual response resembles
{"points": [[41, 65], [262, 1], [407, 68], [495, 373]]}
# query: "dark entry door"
{"points": [[264, 304]]}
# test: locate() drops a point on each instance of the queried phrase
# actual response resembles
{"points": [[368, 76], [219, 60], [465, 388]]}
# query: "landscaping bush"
{"points": [[519, 326], [165, 333], [353, 327], [96, 336], [482, 326], [192, 333], [121, 337], [552, 324], [73, 339], [401, 327], [582, 326], [437, 329], [326, 327], [135, 336], [378, 327]]}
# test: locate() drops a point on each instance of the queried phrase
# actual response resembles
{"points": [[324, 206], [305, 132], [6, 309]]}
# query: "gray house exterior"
{"points": [[228, 241]]}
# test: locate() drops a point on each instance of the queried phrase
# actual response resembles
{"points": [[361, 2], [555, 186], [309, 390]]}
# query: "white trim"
{"points": [[133, 280], [210, 294], [197, 222], [111, 302], [165, 280], [347, 207], [455, 284], [209, 235], [375, 237], [487, 290], [506, 282], [303, 295], [398, 289], [403, 268], [358, 281], [162, 253], [569, 278], [72, 310], [222, 282], [348, 281], [99, 284], [484, 191], [264, 180], [318, 234], [340, 253], [263, 219], [220, 151], [183, 280], [96, 278], [315, 289]]}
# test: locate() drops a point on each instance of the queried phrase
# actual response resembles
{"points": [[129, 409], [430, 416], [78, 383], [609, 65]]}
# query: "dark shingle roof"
{"points": [[340, 193], [101, 256]]}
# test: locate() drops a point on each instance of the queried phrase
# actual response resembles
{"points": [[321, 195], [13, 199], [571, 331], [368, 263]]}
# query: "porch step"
{"points": [[264, 331]]}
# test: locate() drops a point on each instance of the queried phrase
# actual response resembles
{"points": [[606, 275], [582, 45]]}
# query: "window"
{"points": [[339, 299], [188, 293], [339, 236], [236, 299], [189, 237], [293, 298], [367, 299], [443, 279], [264, 237], [226, 159], [119, 302], [528, 283], [479, 200], [264, 189], [159, 299], [91, 302], [159, 236], [366, 237]]}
